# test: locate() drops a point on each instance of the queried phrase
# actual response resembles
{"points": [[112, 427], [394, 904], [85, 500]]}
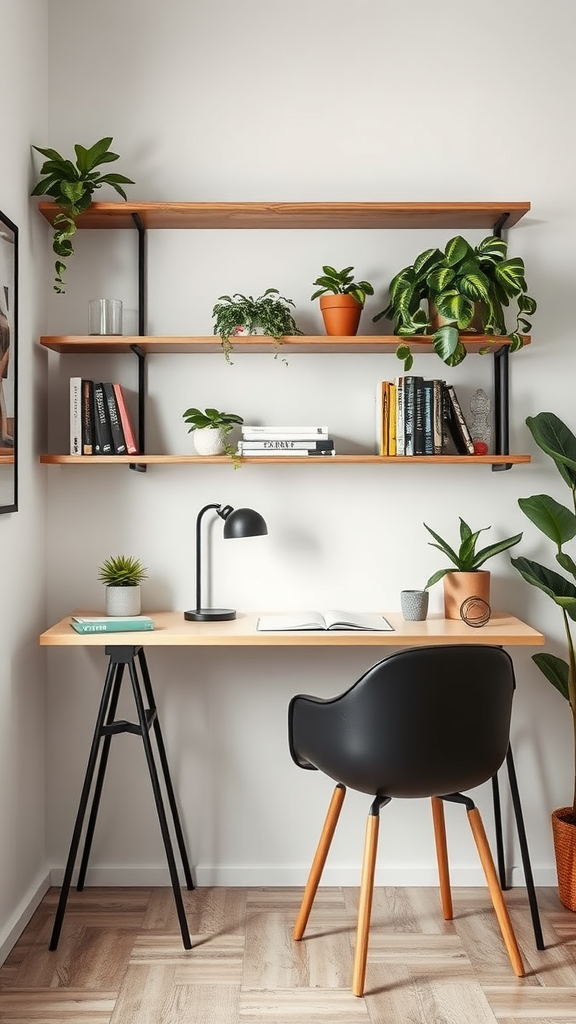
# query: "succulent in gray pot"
{"points": [[122, 576], [463, 288], [558, 523]]}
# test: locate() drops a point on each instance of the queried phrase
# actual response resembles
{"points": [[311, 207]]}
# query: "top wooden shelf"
{"points": [[295, 215]]}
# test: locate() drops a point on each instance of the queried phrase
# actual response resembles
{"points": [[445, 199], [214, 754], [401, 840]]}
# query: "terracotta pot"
{"points": [[459, 586], [564, 836], [341, 314]]}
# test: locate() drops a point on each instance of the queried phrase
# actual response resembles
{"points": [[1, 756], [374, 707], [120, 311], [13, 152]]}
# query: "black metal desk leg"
{"points": [[498, 826], [106, 693], [528, 877], [165, 769], [145, 722]]}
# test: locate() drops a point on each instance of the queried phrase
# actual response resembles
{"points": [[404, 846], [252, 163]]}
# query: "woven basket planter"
{"points": [[564, 836]]}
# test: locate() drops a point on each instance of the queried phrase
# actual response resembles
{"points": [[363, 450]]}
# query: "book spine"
{"points": [[87, 417], [118, 441], [437, 418], [128, 430], [460, 421], [75, 415], [382, 417], [392, 426], [409, 414], [111, 627], [309, 453], [284, 431], [102, 431], [400, 442], [419, 416], [428, 416], [288, 445]]}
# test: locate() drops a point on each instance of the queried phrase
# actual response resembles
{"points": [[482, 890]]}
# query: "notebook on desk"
{"points": [[323, 620]]}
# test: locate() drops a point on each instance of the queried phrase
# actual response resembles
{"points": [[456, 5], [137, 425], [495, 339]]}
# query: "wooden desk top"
{"points": [[172, 630]]}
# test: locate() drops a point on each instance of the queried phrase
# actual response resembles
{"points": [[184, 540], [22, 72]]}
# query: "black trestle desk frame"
{"points": [[106, 727]]}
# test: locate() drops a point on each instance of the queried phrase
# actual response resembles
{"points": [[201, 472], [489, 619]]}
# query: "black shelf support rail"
{"points": [[501, 386], [138, 351]]}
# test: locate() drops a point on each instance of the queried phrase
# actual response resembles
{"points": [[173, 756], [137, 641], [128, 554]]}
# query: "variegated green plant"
{"points": [[459, 281], [558, 523], [72, 187], [466, 558]]}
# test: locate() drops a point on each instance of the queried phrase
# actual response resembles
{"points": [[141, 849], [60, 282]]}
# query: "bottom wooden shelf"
{"points": [[149, 460]]}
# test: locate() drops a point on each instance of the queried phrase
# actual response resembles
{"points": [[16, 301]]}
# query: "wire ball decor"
{"points": [[475, 611]]}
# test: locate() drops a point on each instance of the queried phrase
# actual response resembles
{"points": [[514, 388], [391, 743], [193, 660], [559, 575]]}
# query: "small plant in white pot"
{"points": [[211, 428], [122, 576]]}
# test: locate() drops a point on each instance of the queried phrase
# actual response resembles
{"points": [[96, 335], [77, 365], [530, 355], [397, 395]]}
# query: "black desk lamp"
{"points": [[240, 522]]}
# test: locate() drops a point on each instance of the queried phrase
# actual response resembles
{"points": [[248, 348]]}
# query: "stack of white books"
{"points": [[285, 440]]}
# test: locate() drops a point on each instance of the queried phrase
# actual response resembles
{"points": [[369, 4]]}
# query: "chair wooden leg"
{"points": [[365, 907], [442, 857], [496, 892], [319, 860]]}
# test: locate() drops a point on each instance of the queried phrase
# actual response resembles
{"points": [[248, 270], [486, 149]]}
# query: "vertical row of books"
{"points": [[286, 440], [100, 423], [417, 416]]}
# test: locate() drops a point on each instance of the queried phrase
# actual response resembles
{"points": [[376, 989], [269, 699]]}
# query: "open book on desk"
{"points": [[323, 620]]}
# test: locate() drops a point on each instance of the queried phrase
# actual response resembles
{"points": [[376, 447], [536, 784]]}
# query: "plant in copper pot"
{"points": [[341, 300]]}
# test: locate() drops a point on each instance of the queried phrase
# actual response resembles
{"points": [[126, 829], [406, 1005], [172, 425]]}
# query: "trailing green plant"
{"points": [[72, 186], [466, 558], [558, 523], [122, 571], [459, 281], [271, 313], [341, 282], [223, 421]]}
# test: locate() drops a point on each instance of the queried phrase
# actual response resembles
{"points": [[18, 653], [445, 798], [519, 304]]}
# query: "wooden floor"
{"points": [[121, 960]]}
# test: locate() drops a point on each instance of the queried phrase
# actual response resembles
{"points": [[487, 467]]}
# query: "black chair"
{"points": [[425, 722]]}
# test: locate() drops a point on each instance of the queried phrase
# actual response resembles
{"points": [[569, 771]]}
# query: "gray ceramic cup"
{"points": [[414, 605]]}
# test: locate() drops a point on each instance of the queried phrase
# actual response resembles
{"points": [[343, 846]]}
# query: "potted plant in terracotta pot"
{"points": [[465, 579], [341, 300], [465, 288], [558, 524], [269, 314], [210, 428], [122, 576]]}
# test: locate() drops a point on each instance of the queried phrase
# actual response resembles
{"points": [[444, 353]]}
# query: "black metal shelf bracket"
{"points": [[501, 386], [138, 351]]}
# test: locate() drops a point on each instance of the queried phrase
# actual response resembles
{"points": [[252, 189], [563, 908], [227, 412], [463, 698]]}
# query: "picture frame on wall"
{"points": [[8, 365]]}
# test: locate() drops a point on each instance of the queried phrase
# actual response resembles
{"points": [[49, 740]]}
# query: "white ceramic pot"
{"points": [[209, 441], [123, 601]]}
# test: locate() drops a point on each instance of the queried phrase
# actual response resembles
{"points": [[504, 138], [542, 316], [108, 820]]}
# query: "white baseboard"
{"points": [[12, 931], [288, 875]]}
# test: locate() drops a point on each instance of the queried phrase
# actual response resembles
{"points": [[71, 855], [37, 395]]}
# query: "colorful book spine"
{"points": [[392, 426], [400, 439], [428, 416], [75, 415], [128, 429], [118, 442], [102, 432], [117, 624]]}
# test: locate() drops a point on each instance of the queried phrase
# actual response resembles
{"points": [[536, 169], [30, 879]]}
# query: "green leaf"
{"points": [[436, 576], [556, 671], [445, 341], [549, 582], [443, 546], [494, 549], [510, 275], [554, 520], [492, 248], [557, 441], [405, 352], [566, 563], [426, 262], [457, 250]]}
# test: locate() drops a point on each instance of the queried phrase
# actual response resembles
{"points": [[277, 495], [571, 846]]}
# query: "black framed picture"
{"points": [[8, 365]]}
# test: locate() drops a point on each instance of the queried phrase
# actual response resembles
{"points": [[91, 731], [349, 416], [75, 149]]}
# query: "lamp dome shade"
{"points": [[244, 522]]}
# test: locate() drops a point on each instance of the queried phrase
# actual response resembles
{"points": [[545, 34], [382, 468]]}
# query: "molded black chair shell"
{"points": [[423, 722]]}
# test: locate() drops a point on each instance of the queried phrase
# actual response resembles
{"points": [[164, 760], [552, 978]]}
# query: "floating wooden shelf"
{"points": [[361, 460], [290, 345], [296, 215]]}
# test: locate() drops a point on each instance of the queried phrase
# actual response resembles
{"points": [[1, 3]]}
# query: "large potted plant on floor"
{"points": [[465, 580], [341, 300], [463, 288], [558, 523], [72, 186]]}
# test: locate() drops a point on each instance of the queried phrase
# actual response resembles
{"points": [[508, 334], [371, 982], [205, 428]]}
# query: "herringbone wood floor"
{"points": [[121, 960]]}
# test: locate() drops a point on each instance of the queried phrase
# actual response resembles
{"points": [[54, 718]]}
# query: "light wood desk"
{"points": [[126, 651]]}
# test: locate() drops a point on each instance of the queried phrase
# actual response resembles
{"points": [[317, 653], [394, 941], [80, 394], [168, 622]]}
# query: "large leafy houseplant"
{"points": [[458, 284], [269, 314], [558, 523], [72, 186]]}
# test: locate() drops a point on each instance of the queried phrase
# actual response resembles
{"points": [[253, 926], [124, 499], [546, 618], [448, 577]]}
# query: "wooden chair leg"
{"points": [[495, 891], [365, 907], [442, 857], [319, 860]]}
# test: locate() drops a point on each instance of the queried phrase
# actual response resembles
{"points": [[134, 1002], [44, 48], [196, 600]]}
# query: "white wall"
{"points": [[23, 873], [296, 101]]}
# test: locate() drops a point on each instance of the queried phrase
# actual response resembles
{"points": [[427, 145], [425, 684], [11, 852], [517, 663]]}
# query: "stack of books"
{"points": [[99, 420], [285, 440], [421, 417]]}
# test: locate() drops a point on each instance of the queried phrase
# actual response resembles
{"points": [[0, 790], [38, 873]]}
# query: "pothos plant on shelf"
{"points": [[72, 186], [269, 314], [466, 289]]}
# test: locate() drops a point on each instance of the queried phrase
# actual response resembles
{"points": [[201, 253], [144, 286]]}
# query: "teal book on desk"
{"points": [[111, 624]]}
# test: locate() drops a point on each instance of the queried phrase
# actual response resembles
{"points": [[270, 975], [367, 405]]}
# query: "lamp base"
{"points": [[210, 614]]}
